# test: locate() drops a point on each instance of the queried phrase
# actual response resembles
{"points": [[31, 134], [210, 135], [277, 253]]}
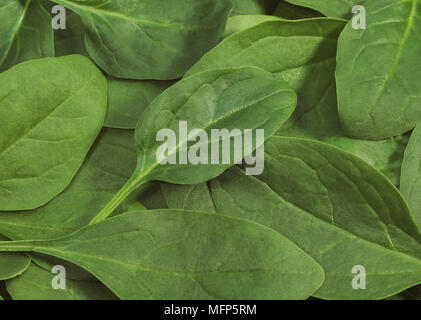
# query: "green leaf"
{"points": [[154, 255], [127, 99], [411, 174], [246, 98], [72, 39], [334, 206], [106, 168], [331, 8], [12, 264], [242, 22], [242, 7], [170, 37], [25, 32], [289, 11], [311, 74], [379, 92], [46, 133], [36, 284]]}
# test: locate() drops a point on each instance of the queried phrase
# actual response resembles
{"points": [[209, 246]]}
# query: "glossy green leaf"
{"points": [[46, 133], [242, 7], [241, 22], [379, 92], [36, 284], [330, 8], [127, 99], [154, 255], [311, 74], [246, 98], [25, 32], [411, 174], [334, 206], [107, 167], [170, 37], [12, 264]]}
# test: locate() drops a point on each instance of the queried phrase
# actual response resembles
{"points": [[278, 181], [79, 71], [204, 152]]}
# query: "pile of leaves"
{"points": [[80, 185]]}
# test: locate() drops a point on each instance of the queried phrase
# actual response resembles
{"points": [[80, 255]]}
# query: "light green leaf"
{"points": [[170, 36], [411, 174], [127, 99], [25, 32], [245, 98], [154, 255], [334, 206], [377, 73], [242, 22], [36, 284], [12, 264], [46, 133], [107, 167]]}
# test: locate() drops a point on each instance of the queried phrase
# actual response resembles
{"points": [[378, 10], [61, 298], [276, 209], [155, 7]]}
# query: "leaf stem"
{"points": [[17, 246], [122, 195]]}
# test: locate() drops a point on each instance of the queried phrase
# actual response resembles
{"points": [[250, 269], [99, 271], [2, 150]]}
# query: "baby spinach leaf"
{"points": [[36, 284], [127, 99], [170, 36], [248, 98], [106, 168], [46, 133], [377, 74], [334, 206], [292, 12], [253, 7], [331, 8], [12, 264], [241, 22], [25, 32], [411, 174], [154, 255], [311, 74], [72, 39]]}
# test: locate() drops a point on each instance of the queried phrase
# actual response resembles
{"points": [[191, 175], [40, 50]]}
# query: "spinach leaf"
{"points": [[311, 74], [331, 8], [253, 7], [25, 32], [36, 284], [72, 39], [289, 11], [248, 98], [153, 255], [169, 37], [106, 168], [62, 119], [12, 264], [241, 22], [377, 71], [335, 207], [127, 99], [411, 175]]}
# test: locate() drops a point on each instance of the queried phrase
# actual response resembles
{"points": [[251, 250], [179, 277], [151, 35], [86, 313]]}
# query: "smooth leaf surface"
{"points": [[244, 98], [411, 174], [46, 133], [311, 74], [127, 99], [241, 22], [25, 32], [153, 255], [107, 167], [289, 11], [334, 206], [169, 37], [331, 8], [12, 264], [72, 39], [242, 7], [36, 284], [379, 92]]}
